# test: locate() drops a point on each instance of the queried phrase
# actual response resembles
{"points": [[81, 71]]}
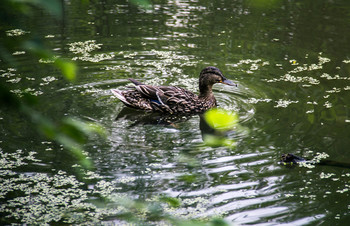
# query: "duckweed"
{"points": [[84, 49], [326, 175], [328, 104], [255, 101], [47, 198], [48, 60], [284, 103], [18, 53], [16, 32], [44, 198], [15, 78]]}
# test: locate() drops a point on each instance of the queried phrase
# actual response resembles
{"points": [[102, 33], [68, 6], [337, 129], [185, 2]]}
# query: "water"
{"points": [[291, 61]]}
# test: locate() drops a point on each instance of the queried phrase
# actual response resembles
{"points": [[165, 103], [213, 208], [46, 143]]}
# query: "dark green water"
{"points": [[291, 61]]}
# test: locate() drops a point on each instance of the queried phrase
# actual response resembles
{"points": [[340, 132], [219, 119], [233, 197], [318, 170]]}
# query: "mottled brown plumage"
{"points": [[172, 99]]}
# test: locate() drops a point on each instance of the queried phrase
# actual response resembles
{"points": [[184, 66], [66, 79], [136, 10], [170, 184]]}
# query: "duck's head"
{"points": [[211, 75]]}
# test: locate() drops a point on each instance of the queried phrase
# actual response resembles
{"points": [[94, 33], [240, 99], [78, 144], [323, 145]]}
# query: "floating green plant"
{"points": [[16, 32], [84, 49]]}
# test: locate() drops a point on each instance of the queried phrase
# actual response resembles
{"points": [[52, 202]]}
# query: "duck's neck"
{"points": [[206, 94], [205, 91]]}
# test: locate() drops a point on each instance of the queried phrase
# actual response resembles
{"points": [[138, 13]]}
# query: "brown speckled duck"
{"points": [[172, 99]]}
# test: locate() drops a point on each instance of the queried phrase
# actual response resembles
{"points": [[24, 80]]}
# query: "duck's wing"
{"points": [[135, 81], [166, 95], [169, 99], [133, 98]]}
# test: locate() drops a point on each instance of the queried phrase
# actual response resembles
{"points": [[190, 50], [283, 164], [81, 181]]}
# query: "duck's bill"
{"points": [[229, 82]]}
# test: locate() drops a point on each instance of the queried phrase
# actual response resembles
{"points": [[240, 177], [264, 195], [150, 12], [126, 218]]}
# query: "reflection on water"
{"points": [[291, 61]]}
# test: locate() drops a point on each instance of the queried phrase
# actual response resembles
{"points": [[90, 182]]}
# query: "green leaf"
{"points": [[145, 4], [188, 178], [221, 119], [45, 126], [75, 149], [173, 202], [37, 48], [265, 4], [68, 69], [218, 222], [73, 132], [87, 128], [218, 141], [54, 7]]}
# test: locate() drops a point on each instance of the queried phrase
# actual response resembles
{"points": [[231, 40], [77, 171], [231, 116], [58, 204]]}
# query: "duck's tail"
{"points": [[135, 82], [120, 96]]}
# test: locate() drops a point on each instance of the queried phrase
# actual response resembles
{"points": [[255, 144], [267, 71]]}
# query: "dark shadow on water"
{"points": [[139, 117], [150, 118]]}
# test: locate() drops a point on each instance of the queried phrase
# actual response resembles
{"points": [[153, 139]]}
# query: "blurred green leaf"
{"points": [[218, 222], [6, 56], [71, 133], [311, 118], [264, 4], [74, 148], [54, 7], [221, 119], [155, 212], [145, 4], [218, 141], [68, 68], [188, 160], [188, 178], [37, 48], [84, 127], [45, 126], [173, 202]]}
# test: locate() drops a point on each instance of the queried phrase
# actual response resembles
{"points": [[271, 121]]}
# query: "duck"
{"points": [[173, 99]]}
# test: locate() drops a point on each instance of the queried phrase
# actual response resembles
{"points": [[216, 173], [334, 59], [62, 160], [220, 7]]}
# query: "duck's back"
{"points": [[174, 99], [166, 99]]}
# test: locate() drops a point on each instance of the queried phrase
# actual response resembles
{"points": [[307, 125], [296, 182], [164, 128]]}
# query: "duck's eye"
{"points": [[218, 80]]}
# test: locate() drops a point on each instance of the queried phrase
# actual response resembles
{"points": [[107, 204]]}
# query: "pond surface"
{"points": [[291, 60]]}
